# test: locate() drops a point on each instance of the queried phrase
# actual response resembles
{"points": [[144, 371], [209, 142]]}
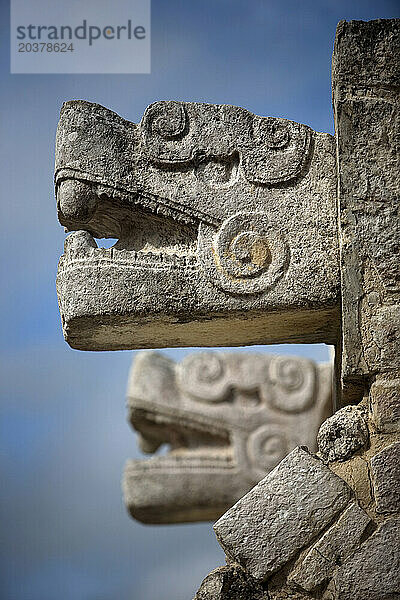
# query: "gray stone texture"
{"points": [[385, 403], [226, 227], [236, 229], [385, 468], [230, 582], [337, 543], [228, 420], [373, 572], [365, 78], [281, 514], [342, 434]]}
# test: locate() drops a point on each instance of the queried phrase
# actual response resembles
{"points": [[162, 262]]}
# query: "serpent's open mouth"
{"points": [[145, 231], [191, 480], [190, 443]]}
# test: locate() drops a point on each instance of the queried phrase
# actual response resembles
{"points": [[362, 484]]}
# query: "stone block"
{"points": [[385, 467], [373, 572], [365, 83], [281, 514], [337, 543], [230, 583], [385, 404], [342, 434]]}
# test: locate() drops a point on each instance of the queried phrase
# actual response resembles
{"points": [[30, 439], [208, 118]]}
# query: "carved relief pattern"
{"points": [[246, 256], [272, 150], [228, 417], [266, 447], [294, 384], [203, 376], [167, 122], [258, 397], [287, 384]]}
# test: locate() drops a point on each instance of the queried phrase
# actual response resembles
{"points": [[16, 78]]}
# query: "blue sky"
{"points": [[64, 436]]}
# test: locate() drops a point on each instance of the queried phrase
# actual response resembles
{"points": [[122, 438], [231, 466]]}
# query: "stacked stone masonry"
{"points": [[235, 229]]}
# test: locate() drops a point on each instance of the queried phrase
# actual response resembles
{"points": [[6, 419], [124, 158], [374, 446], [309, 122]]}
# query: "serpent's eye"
{"points": [[166, 120], [203, 375], [277, 136], [294, 382]]}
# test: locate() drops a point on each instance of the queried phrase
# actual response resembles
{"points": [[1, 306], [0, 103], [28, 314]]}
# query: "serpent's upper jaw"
{"points": [[141, 235]]}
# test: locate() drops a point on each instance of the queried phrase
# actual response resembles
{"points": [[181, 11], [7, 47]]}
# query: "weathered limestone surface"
{"points": [[228, 419], [328, 563], [373, 572], [385, 405], [226, 226], [385, 467], [339, 541], [236, 229], [365, 79], [230, 583], [281, 514], [342, 434]]}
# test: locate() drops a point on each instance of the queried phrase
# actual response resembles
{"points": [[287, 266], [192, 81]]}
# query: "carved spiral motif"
{"points": [[202, 375], [167, 120], [209, 368], [294, 380], [248, 255], [289, 374], [243, 247], [266, 447]]}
